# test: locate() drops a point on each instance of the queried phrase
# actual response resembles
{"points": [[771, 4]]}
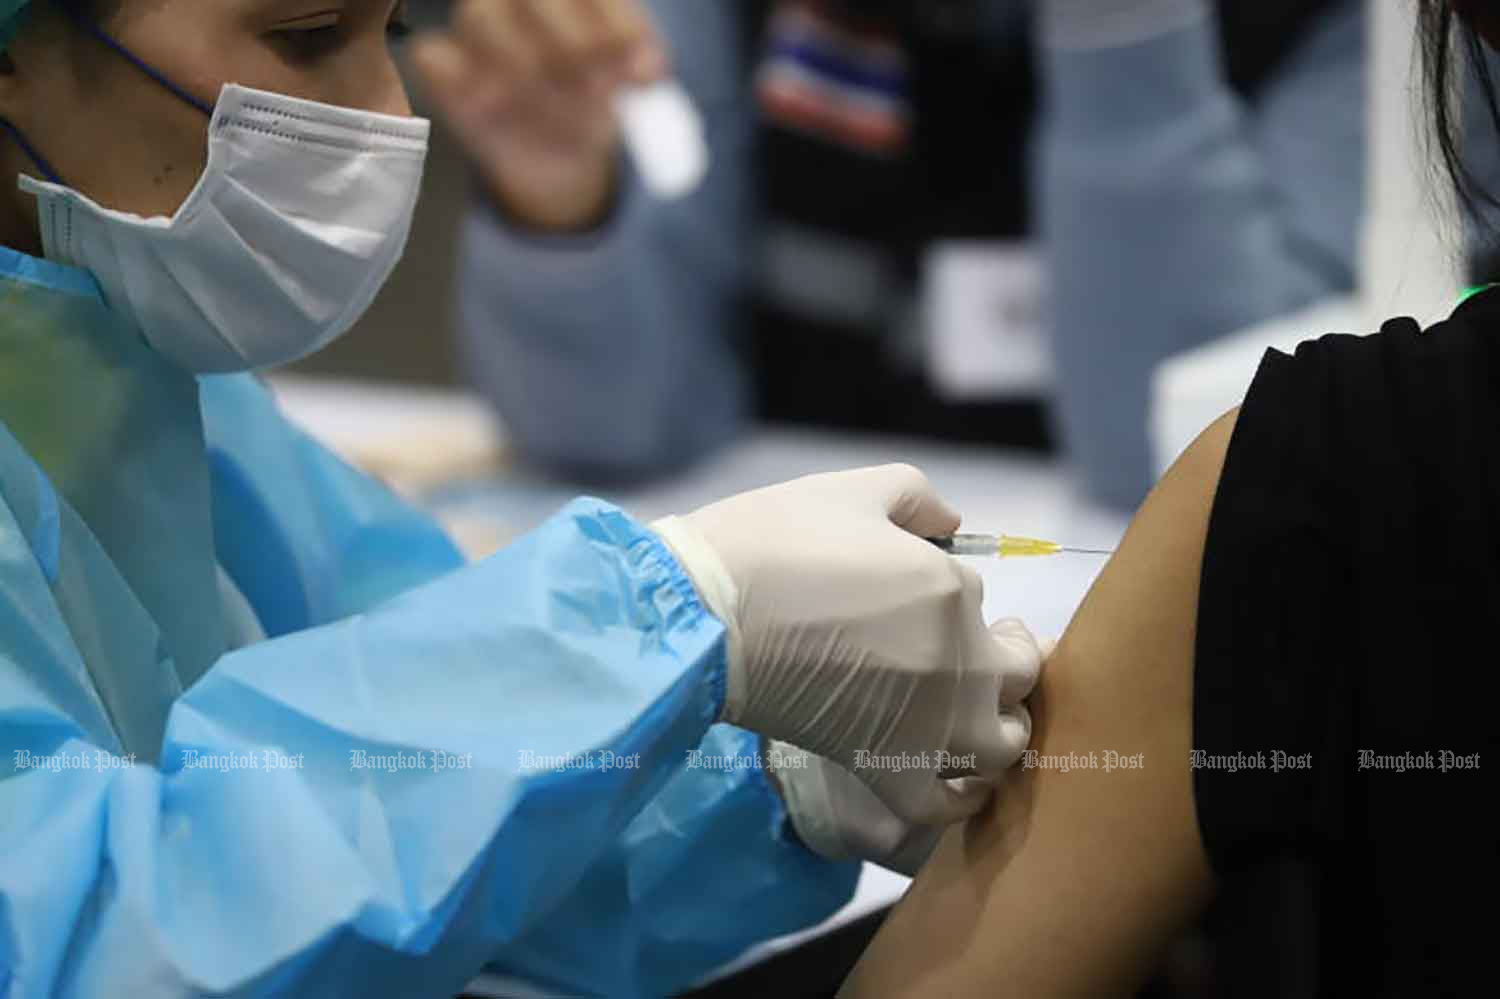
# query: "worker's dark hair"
{"points": [[85, 50], [54, 17], [1451, 44], [97, 11]]}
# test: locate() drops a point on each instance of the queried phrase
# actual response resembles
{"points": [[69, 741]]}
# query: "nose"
{"points": [[394, 99], [385, 91], [398, 105], [366, 77]]}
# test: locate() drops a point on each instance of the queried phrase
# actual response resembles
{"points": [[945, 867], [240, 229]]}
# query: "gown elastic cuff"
{"points": [[709, 578], [1102, 24]]}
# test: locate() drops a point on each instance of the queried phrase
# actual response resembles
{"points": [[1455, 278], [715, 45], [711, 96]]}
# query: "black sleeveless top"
{"points": [[1346, 618]]}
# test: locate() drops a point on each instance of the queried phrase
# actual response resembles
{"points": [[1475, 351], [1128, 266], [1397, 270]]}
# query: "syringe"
{"points": [[1006, 546]]}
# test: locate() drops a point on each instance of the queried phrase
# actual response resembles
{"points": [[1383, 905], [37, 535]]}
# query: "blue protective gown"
{"points": [[189, 585]]}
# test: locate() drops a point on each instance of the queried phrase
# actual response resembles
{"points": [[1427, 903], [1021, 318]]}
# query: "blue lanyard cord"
{"points": [[86, 25], [30, 150]]}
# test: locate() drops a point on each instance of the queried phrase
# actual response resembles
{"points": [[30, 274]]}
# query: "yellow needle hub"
{"points": [[1013, 547]]}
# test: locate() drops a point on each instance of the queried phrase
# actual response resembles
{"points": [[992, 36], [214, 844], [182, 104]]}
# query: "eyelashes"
{"points": [[313, 43]]}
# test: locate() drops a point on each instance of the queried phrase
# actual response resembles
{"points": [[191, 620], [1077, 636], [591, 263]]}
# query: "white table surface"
{"points": [[494, 498]]}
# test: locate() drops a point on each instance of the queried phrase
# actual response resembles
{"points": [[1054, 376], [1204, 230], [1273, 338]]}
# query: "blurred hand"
{"points": [[528, 86]]}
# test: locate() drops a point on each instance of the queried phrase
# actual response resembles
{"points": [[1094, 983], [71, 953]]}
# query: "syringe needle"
{"points": [[1006, 546]]}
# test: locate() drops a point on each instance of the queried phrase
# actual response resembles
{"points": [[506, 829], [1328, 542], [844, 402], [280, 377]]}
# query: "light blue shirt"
{"points": [[1172, 213]]}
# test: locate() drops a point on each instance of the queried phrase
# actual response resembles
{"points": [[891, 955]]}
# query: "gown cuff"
{"points": [[1099, 24]]}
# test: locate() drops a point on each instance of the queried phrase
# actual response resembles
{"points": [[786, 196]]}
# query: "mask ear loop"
{"points": [[91, 29], [31, 151], [88, 27]]}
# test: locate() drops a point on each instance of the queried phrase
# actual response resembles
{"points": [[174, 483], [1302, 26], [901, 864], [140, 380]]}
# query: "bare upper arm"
{"points": [[1072, 880]]}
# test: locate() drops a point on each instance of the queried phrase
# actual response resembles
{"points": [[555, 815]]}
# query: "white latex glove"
{"points": [[852, 637], [836, 816]]}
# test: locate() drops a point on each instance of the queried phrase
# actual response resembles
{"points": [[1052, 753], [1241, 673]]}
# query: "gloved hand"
{"points": [[836, 816], [853, 638]]}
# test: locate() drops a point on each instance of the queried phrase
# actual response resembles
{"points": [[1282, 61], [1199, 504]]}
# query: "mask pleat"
{"points": [[282, 245]]}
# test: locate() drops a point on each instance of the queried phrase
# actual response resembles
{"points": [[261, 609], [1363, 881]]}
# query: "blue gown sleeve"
{"points": [[707, 869], [380, 804], [306, 537], [610, 354]]}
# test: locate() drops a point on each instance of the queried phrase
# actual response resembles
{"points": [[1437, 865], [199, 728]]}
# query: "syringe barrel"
{"points": [[969, 544]]}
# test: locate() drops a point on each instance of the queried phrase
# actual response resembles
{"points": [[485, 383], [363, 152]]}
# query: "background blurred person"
{"points": [[1199, 168]]}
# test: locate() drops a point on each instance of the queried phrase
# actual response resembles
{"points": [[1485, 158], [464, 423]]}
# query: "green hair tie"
{"points": [[1471, 292]]}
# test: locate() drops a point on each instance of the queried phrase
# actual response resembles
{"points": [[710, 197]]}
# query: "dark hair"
{"points": [[1450, 43], [60, 17], [53, 16]]}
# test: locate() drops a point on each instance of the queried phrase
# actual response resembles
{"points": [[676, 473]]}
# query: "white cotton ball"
{"points": [[664, 133]]}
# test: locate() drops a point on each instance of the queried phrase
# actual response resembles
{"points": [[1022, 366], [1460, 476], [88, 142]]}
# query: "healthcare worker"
{"points": [[262, 732]]}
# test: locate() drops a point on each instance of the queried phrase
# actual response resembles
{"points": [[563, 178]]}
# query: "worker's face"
{"points": [[124, 140]]}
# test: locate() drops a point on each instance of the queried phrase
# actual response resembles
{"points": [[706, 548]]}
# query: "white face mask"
{"points": [[299, 218]]}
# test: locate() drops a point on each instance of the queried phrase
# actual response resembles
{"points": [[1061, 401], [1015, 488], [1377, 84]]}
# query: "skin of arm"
{"points": [[1072, 883]]}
